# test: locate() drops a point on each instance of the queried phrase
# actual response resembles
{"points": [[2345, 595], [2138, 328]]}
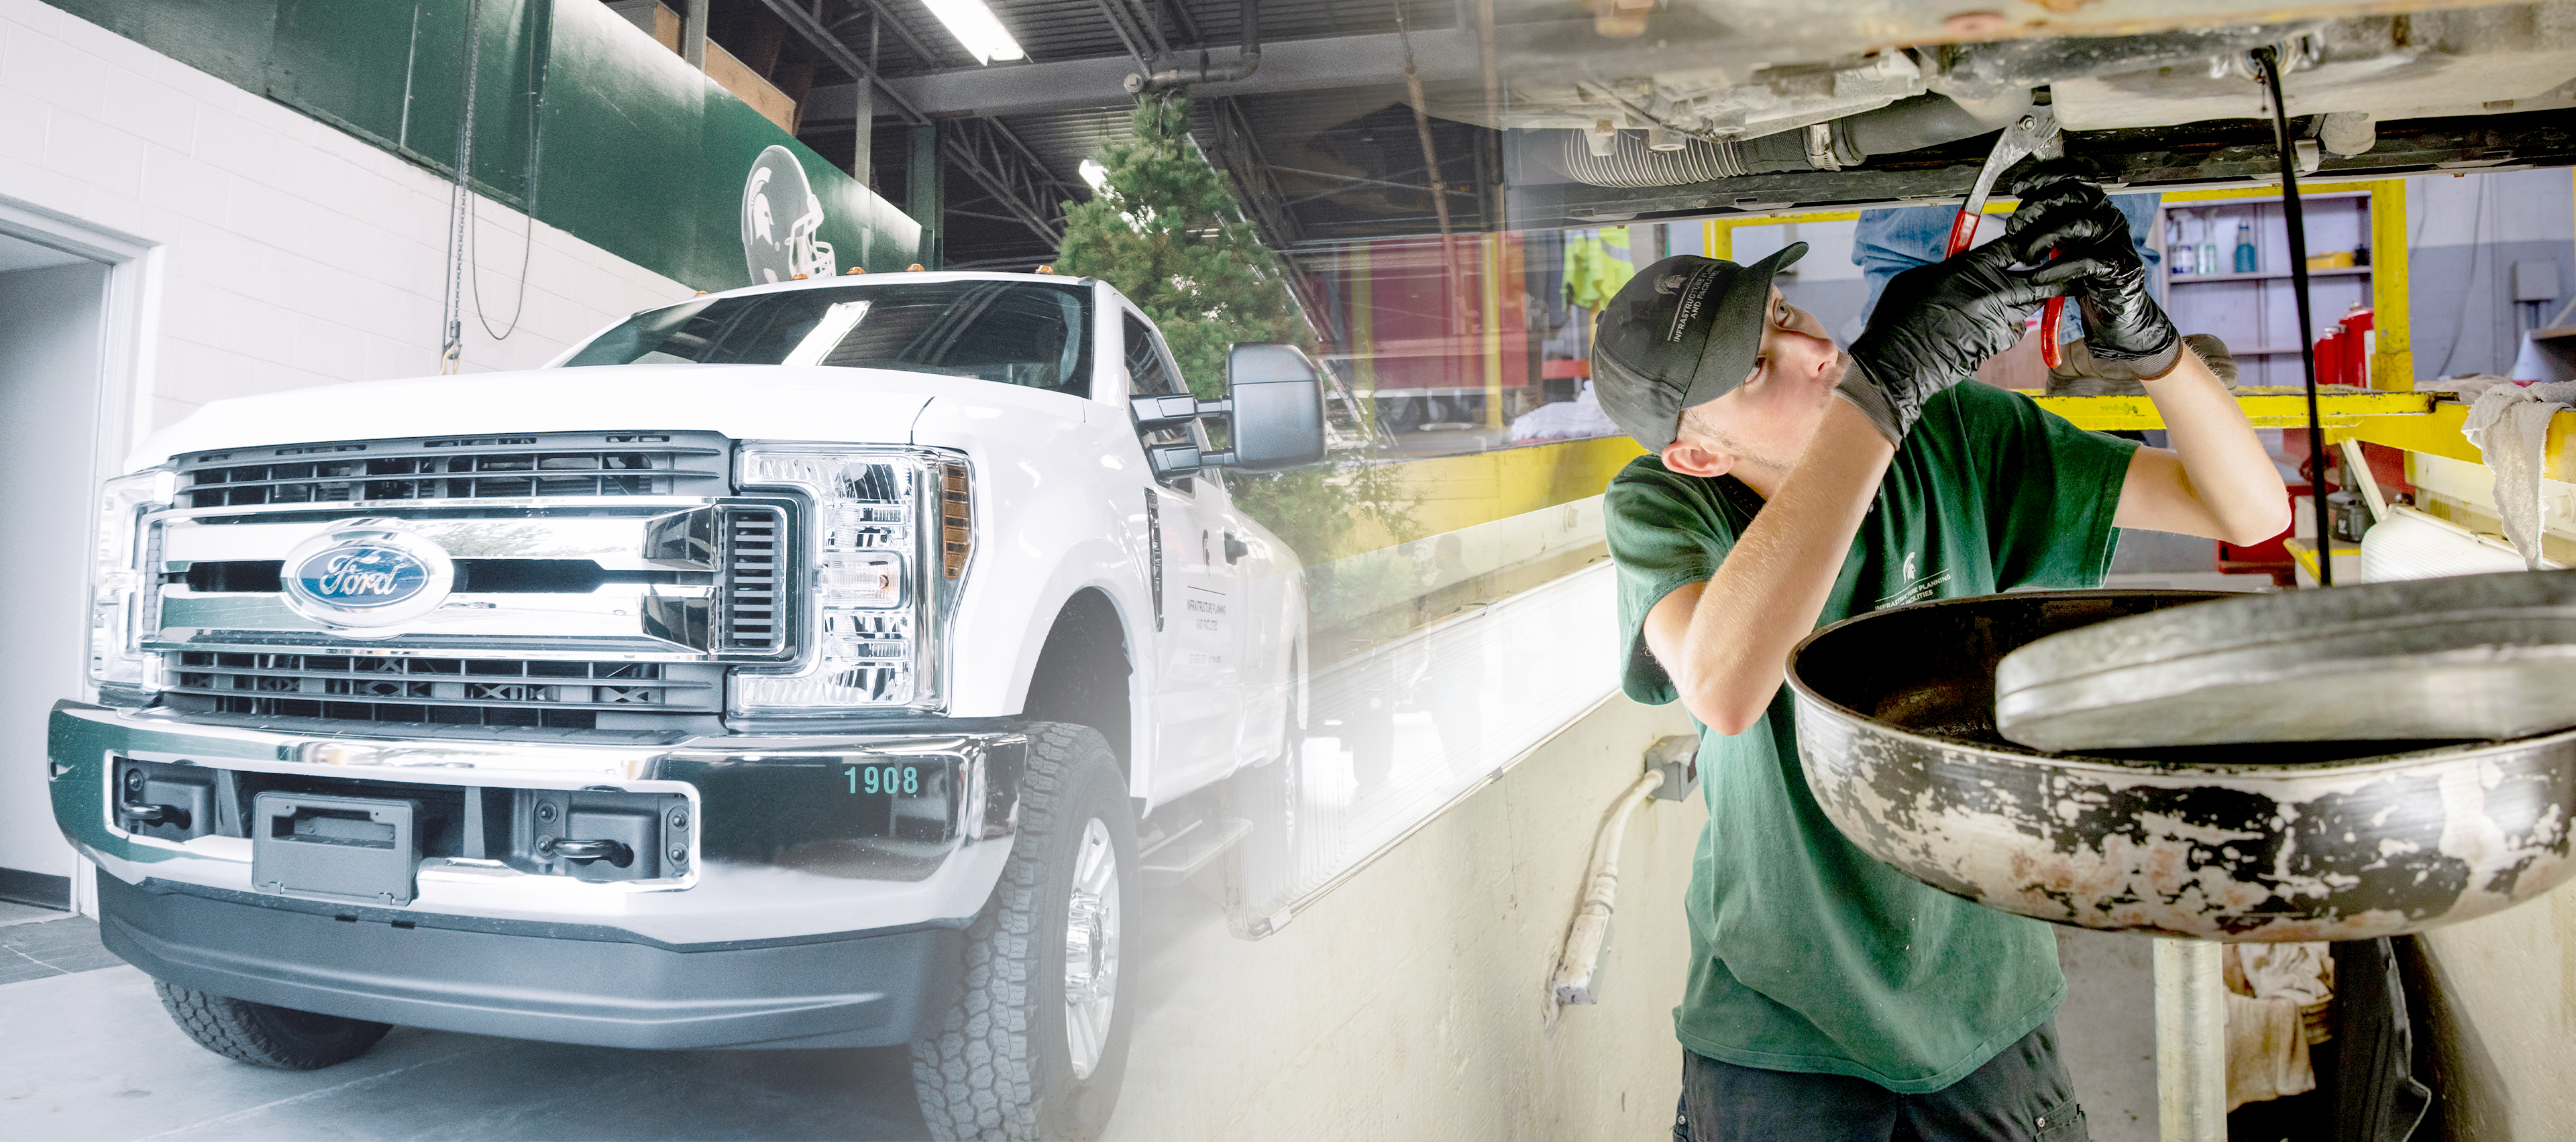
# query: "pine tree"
{"points": [[1167, 232]]}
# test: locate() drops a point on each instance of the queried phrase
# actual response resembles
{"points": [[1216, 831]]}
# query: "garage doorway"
{"points": [[71, 302]]}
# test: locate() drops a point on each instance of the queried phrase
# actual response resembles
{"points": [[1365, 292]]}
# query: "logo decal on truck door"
{"points": [[1154, 550]]}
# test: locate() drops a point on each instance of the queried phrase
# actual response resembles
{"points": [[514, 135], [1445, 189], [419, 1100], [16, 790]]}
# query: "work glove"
{"points": [[1935, 324], [2063, 215]]}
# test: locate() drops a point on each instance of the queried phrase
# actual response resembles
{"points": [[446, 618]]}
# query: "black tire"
{"points": [[1001, 1066], [1399, 413], [279, 1038]]}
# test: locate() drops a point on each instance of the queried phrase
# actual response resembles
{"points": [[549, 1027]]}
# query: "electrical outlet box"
{"points": [[2535, 280], [1677, 758]]}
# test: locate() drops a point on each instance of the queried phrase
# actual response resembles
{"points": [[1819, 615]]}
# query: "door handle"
{"points": [[1235, 548]]}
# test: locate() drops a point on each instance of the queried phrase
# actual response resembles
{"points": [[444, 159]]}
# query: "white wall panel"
{"points": [[295, 254]]}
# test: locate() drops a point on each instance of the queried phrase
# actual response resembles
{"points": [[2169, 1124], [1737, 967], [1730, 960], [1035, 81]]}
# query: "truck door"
{"points": [[1267, 580], [1198, 688]]}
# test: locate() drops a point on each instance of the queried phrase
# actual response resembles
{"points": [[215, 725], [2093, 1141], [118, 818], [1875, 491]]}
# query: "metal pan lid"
{"points": [[2466, 657]]}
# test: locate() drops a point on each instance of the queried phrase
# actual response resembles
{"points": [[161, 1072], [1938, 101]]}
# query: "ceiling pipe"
{"points": [[1244, 65]]}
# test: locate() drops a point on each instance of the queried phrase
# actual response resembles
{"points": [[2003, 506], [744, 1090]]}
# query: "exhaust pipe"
{"points": [[1643, 159], [1242, 67]]}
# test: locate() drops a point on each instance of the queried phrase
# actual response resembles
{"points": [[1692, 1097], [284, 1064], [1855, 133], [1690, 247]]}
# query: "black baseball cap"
{"points": [[1684, 331]]}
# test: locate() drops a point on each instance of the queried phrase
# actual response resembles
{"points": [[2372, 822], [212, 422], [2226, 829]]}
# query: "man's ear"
{"points": [[1692, 458]]}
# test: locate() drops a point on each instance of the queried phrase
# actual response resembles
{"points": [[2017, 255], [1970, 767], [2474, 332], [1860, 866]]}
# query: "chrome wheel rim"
{"points": [[1091, 948]]}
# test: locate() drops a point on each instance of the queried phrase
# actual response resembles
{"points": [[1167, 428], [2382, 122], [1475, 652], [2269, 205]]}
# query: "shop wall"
{"points": [[1409, 1003], [294, 253], [2500, 1016], [2467, 233]]}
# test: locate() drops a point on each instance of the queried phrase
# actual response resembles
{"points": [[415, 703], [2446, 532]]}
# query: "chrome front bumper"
{"points": [[719, 897]]}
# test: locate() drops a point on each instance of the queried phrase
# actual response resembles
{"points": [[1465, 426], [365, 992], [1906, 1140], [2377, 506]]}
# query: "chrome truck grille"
{"points": [[442, 691], [600, 583], [458, 468]]}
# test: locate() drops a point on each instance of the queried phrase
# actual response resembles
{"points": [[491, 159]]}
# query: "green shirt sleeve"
{"points": [[2051, 490], [1663, 533]]}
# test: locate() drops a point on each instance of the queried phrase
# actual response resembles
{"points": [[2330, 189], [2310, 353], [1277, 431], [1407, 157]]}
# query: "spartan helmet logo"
{"points": [[1671, 283], [779, 217]]}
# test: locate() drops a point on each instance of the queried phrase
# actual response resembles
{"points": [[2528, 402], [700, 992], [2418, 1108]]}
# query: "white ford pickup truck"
{"points": [[786, 667]]}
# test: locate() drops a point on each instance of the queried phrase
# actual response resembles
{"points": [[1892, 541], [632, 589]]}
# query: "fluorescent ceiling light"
{"points": [[977, 29], [1095, 174]]}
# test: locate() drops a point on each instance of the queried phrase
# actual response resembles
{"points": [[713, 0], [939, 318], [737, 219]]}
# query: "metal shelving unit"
{"points": [[2248, 310]]}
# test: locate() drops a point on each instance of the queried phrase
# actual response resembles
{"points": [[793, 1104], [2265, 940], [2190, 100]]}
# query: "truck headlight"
{"points": [[121, 593], [885, 563]]}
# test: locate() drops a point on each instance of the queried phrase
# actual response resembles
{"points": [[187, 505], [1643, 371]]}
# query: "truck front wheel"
{"points": [[1037, 1045], [278, 1038]]}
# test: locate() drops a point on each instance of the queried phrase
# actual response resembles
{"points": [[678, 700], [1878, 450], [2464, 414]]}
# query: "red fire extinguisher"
{"points": [[2330, 354]]}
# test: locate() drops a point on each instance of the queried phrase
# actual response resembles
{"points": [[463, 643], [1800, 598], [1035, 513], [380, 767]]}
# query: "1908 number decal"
{"points": [[902, 779]]}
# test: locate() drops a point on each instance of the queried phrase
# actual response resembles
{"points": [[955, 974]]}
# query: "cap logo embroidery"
{"points": [[1694, 295]]}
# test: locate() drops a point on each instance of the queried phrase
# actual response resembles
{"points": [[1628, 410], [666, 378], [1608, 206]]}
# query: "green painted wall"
{"points": [[633, 150]]}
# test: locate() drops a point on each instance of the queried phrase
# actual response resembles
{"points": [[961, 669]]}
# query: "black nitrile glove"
{"points": [[2061, 212], [1934, 325]]}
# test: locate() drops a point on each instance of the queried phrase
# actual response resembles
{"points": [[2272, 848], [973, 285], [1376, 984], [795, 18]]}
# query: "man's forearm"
{"points": [[2226, 477], [1768, 592]]}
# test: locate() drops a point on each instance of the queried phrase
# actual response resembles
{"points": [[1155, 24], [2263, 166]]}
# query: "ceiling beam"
{"points": [[1100, 81]]}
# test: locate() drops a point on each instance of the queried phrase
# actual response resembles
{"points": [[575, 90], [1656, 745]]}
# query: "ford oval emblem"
{"points": [[366, 573], [361, 575]]}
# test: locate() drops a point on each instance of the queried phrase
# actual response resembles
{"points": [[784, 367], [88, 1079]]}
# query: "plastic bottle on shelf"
{"points": [[2178, 248], [2246, 262], [2209, 263]]}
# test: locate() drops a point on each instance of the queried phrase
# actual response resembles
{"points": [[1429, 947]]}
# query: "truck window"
{"points": [[1145, 368], [1015, 333], [1148, 375]]}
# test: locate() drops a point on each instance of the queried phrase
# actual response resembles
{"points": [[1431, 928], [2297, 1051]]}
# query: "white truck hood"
{"points": [[746, 402]]}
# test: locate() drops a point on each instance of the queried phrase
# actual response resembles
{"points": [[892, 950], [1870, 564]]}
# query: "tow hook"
{"points": [[584, 852], [152, 814]]}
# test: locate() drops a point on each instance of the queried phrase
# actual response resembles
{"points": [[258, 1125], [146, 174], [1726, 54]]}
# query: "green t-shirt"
{"points": [[1806, 953]]}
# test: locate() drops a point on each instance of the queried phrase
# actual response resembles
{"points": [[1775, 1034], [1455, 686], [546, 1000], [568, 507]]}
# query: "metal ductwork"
{"points": [[1167, 77], [1629, 161]]}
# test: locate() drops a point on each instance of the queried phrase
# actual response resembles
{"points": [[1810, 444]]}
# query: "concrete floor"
{"points": [[109, 1065], [2107, 1031]]}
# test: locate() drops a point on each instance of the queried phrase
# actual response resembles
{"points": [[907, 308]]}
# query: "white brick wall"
{"points": [[293, 254]]}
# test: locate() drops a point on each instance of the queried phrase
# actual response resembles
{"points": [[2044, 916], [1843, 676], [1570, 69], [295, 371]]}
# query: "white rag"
{"points": [[2510, 426], [2277, 999], [2267, 1051]]}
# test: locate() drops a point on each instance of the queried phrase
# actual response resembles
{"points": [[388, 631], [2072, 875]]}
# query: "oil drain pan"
{"points": [[2313, 840]]}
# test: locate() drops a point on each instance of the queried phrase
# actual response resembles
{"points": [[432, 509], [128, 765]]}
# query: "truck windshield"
{"points": [[1017, 333]]}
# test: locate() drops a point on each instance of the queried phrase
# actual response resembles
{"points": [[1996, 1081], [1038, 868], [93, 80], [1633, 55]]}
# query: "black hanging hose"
{"points": [[2267, 60]]}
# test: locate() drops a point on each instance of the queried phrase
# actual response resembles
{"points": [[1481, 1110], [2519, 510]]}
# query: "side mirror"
{"points": [[1278, 410], [1274, 412]]}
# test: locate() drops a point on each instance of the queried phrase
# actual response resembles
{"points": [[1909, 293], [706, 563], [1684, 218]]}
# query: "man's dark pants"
{"points": [[2020, 1095]]}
